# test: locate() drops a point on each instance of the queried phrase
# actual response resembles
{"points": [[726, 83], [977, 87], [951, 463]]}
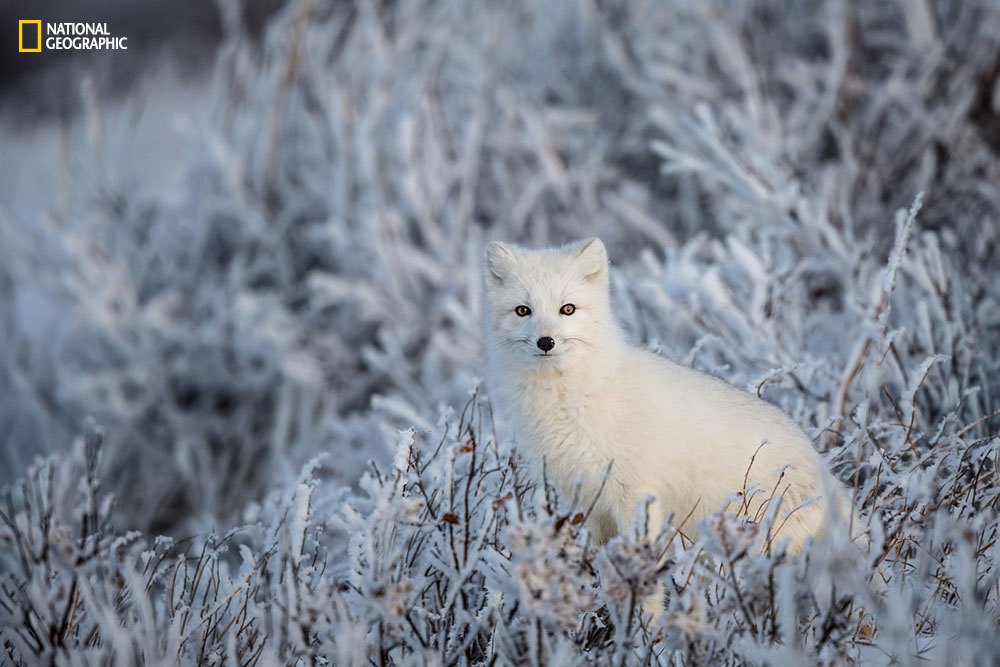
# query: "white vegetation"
{"points": [[310, 285]]}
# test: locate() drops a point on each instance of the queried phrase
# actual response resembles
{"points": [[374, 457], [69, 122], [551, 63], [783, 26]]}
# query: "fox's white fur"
{"points": [[670, 432]]}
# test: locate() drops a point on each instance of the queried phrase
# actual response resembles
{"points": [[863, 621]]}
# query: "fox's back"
{"points": [[707, 429]]}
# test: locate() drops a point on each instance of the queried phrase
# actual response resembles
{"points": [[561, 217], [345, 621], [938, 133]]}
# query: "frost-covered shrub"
{"points": [[310, 281], [454, 553]]}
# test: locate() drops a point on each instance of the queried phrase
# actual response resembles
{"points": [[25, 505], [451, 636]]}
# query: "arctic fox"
{"points": [[581, 399]]}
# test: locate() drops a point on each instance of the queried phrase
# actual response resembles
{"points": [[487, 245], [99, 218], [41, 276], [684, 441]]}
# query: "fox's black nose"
{"points": [[545, 343]]}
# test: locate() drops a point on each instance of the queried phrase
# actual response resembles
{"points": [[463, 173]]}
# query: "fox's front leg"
{"points": [[654, 602], [642, 521], [602, 527]]}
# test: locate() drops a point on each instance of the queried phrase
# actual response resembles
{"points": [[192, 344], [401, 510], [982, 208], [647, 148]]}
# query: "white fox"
{"points": [[579, 397]]}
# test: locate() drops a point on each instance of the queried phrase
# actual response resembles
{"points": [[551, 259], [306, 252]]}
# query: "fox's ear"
{"points": [[500, 259], [592, 257]]}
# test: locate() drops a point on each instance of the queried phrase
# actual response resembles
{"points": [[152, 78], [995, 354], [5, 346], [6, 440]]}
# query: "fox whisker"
{"points": [[574, 339]]}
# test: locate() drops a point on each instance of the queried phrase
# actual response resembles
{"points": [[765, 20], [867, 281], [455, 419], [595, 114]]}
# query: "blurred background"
{"points": [[255, 235]]}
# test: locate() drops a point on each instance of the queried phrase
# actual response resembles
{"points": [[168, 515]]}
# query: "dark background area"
{"points": [[184, 34]]}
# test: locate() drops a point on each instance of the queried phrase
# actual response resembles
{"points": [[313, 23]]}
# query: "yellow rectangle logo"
{"points": [[25, 45]]}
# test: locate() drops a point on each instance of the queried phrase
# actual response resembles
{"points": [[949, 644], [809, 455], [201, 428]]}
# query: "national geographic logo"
{"points": [[66, 36], [29, 36]]}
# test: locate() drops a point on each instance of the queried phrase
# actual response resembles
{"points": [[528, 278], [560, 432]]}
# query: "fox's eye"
{"points": [[568, 309], [522, 311]]}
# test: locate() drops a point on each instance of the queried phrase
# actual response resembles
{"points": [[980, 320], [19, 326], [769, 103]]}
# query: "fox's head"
{"points": [[547, 307]]}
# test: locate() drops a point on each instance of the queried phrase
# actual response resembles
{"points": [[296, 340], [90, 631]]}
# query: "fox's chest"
{"points": [[568, 432]]}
